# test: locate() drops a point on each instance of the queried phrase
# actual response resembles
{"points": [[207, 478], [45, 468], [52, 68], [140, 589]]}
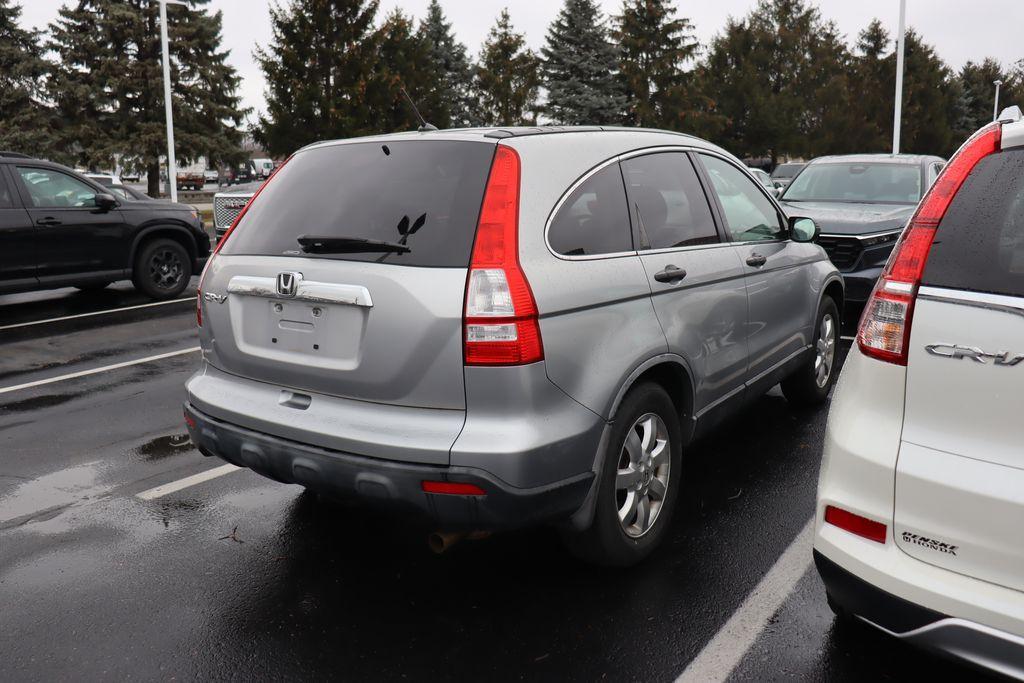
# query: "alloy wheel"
{"points": [[641, 479], [825, 350], [166, 268]]}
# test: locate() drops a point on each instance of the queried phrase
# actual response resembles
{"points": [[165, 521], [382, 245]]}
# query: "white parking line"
{"points": [[845, 338], [160, 491], [87, 315], [96, 371], [721, 655]]}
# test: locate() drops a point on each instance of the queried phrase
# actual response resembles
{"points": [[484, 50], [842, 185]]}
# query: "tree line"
{"points": [[779, 82]]}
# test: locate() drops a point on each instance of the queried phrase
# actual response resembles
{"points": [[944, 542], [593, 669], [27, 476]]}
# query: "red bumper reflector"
{"points": [[453, 488], [189, 421], [855, 524]]}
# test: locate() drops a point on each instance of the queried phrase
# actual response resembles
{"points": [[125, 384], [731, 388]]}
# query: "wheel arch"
{"points": [[672, 373], [179, 234], [835, 289]]}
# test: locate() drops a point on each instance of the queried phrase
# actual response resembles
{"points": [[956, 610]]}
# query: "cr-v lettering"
{"points": [[974, 353]]}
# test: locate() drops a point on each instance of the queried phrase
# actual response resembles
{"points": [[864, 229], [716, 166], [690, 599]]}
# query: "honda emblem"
{"points": [[288, 283]]}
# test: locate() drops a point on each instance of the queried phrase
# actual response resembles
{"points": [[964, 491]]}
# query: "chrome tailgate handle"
{"points": [[306, 291]]}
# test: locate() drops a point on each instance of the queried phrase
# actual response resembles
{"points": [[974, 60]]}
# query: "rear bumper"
{"points": [[963, 639], [390, 484]]}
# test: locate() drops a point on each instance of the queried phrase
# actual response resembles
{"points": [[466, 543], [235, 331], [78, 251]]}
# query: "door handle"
{"points": [[671, 274], [49, 220], [756, 260]]}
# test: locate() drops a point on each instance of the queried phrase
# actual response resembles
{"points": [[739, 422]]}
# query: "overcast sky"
{"points": [[959, 30]]}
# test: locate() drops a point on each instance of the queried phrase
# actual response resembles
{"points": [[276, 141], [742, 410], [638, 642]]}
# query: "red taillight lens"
{"points": [[500, 324], [884, 331], [855, 524], [222, 240], [452, 488]]}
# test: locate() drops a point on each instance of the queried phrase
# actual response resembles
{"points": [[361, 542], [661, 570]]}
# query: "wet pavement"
{"points": [[240, 577]]}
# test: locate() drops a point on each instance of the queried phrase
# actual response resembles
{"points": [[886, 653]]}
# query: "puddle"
{"points": [[164, 446], [52, 491], [38, 402]]}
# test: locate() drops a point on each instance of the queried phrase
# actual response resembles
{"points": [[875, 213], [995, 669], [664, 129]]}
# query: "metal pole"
{"points": [[897, 116], [995, 107], [172, 167]]}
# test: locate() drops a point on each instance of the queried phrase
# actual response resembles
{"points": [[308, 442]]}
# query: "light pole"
{"points": [[897, 116], [995, 107], [172, 167]]}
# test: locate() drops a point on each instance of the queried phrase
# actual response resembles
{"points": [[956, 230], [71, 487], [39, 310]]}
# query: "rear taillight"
{"points": [[855, 524], [500, 320], [884, 331], [224, 238]]}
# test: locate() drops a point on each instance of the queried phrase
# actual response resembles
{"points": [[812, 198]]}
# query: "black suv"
{"points": [[59, 229]]}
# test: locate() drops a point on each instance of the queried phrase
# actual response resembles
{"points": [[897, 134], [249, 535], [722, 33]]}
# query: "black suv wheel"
{"points": [[162, 269]]}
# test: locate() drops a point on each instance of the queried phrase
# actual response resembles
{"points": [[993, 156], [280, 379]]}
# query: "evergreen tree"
{"points": [[319, 69], [580, 68], [977, 81], [654, 47], [107, 85], [507, 77], [403, 60], [452, 103], [25, 121], [872, 83], [931, 95]]}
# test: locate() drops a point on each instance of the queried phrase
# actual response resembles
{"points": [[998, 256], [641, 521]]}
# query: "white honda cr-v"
{"points": [[920, 512]]}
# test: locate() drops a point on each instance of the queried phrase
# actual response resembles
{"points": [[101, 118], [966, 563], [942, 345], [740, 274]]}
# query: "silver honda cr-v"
{"points": [[503, 327]]}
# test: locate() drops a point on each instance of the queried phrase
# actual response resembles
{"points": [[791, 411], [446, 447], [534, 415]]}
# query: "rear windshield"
{"points": [[422, 194], [857, 183], [979, 245]]}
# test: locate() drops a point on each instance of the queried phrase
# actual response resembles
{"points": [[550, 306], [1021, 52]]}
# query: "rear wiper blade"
{"points": [[314, 244]]}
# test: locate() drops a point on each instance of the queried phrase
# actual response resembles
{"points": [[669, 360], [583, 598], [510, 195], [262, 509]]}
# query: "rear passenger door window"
{"points": [[749, 214], [593, 219], [667, 203]]}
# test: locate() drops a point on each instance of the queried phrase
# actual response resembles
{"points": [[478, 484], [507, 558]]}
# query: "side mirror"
{"points": [[105, 202], [776, 191], [803, 230]]}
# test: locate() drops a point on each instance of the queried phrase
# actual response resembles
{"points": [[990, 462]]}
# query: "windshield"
{"points": [[786, 170], [880, 183], [346, 201]]}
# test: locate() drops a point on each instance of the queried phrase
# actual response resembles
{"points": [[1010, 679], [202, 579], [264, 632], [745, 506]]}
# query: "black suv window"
{"points": [[50, 189], [420, 194], [594, 219], [6, 198], [979, 245], [668, 202]]}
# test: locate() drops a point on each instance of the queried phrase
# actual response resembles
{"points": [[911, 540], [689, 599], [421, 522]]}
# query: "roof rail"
{"points": [[14, 155], [1010, 115]]}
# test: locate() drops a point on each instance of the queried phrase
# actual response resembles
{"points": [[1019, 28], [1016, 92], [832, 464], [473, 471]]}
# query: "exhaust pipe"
{"points": [[441, 541]]}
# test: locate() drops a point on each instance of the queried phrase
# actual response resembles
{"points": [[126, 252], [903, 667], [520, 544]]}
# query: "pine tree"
{"points": [[452, 103], [507, 77], [931, 95], [107, 85], [25, 121], [654, 49], [872, 84], [580, 68], [318, 68], [978, 97]]}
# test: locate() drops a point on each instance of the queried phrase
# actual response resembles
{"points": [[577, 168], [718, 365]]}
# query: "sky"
{"points": [[959, 31]]}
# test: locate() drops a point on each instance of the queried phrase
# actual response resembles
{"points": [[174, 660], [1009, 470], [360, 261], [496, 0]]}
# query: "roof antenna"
{"points": [[424, 126]]}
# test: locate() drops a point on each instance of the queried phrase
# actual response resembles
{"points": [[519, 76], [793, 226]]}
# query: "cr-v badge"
{"points": [[219, 298], [288, 283], [974, 353]]}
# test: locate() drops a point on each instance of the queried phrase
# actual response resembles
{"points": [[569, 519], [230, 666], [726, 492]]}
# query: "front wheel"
{"points": [[639, 482], [162, 269], [809, 386]]}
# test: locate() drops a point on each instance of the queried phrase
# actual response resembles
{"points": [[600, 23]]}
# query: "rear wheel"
{"points": [[639, 482], [162, 269], [809, 386]]}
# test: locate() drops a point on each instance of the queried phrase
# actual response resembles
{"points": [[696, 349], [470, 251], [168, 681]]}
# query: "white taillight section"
{"points": [[500, 322], [884, 331]]}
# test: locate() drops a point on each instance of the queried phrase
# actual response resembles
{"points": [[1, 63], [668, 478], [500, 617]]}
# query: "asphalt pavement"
{"points": [[126, 554]]}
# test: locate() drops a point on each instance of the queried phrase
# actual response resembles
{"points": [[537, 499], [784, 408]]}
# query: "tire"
{"points": [[92, 286], [162, 269], [809, 386], [646, 408]]}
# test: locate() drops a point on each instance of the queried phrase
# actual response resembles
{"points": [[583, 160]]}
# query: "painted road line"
{"points": [[96, 371], [160, 491], [88, 315], [847, 338], [721, 655]]}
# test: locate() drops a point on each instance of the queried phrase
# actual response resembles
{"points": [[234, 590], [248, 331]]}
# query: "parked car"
{"points": [[104, 179], [191, 181], [227, 204], [765, 179], [59, 229], [264, 167], [783, 174], [211, 175], [128, 193], [460, 325], [921, 494], [861, 203]]}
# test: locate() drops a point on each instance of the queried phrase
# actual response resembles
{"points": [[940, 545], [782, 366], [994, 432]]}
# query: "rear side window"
{"points": [[6, 198], [420, 194], [594, 219], [979, 245], [668, 202]]}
